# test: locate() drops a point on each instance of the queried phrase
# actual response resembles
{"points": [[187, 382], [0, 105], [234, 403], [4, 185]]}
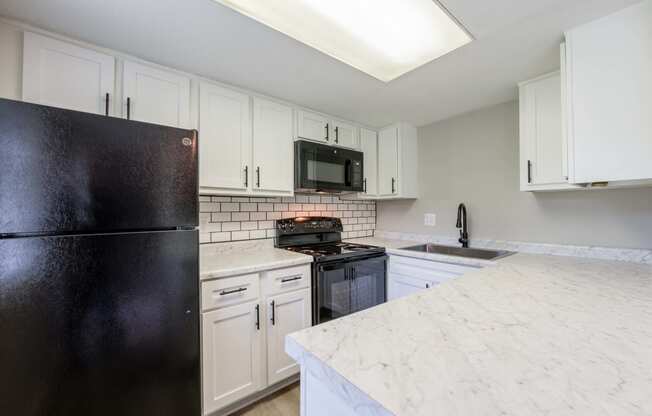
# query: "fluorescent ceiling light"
{"points": [[384, 38]]}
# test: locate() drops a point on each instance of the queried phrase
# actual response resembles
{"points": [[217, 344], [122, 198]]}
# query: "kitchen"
{"points": [[284, 224]]}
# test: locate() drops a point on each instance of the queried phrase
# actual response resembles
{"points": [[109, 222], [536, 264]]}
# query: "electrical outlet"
{"points": [[430, 220]]}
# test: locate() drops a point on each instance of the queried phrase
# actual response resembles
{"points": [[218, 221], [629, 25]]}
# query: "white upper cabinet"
{"points": [[543, 153], [609, 93], [225, 140], [369, 148], [344, 134], [64, 75], [273, 153], [313, 126], [321, 128], [398, 162], [156, 96], [388, 161]]}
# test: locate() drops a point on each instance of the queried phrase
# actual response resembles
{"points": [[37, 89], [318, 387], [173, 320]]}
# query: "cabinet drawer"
{"points": [[285, 280], [229, 291]]}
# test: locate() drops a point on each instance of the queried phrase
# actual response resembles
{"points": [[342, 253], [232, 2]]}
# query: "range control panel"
{"points": [[307, 225]]}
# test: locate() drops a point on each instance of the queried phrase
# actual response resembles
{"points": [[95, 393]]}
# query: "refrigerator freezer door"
{"points": [[100, 325], [65, 171]]}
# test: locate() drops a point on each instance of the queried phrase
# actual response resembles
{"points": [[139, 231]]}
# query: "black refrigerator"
{"points": [[99, 297]]}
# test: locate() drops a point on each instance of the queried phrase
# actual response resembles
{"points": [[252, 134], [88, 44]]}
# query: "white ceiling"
{"points": [[515, 40]]}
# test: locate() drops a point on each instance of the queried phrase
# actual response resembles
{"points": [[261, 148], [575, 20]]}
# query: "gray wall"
{"points": [[473, 159]]}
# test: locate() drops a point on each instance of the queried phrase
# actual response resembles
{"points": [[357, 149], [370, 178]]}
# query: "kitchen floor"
{"points": [[284, 402]]}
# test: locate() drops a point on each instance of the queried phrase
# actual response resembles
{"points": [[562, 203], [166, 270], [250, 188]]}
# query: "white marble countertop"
{"points": [[230, 259], [529, 335]]}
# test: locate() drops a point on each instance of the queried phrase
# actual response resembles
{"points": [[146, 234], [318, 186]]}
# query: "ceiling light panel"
{"points": [[384, 38]]}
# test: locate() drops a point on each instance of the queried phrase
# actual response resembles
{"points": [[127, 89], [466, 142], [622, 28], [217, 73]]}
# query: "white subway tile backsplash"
{"points": [[257, 216], [248, 206], [231, 226], [220, 237], [274, 215], [225, 218], [230, 207], [257, 234], [209, 207], [240, 216], [239, 235], [220, 216], [249, 225]]}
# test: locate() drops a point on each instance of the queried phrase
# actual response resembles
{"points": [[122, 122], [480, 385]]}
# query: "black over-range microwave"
{"points": [[318, 167]]}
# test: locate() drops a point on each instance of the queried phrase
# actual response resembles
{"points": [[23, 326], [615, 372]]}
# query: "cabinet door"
{"points": [[388, 162], [64, 75], [272, 143], [313, 126], [287, 313], [399, 286], [156, 96], [231, 351], [542, 141], [225, 139], [369, 147], [609, 81], [345, 135]]}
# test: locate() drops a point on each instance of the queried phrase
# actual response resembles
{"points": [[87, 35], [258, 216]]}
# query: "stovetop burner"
{"points": [[319, 237], [336, 249]]}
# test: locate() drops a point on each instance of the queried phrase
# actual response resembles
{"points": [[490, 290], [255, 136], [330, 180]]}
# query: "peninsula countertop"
{"points": [[230, 259], [529, 335]]}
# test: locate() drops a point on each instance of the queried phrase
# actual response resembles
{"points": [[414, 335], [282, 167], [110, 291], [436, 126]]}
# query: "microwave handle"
{"points": [[348, 172]]}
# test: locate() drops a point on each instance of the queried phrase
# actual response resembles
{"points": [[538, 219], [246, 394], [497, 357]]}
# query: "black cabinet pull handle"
{"points": [[230, 292], [128, 108], [257, 176], [258, 317], [291, 279], [106, 104], [273, 313], [246, 171], [337, 134], [364, 181], [529, 171], [427, 285], [326, 131], [393, 185]]}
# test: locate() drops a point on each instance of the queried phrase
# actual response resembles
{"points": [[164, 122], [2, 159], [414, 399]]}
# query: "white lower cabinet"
{"points": [[408, 275], [231, 351], [244, 324], [287, 313]]}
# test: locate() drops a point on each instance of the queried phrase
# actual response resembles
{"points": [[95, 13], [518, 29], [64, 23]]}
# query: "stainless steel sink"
{"points": [[475, 253]]}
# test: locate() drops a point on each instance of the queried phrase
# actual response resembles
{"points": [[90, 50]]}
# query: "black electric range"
{"points": [[346, 277]]}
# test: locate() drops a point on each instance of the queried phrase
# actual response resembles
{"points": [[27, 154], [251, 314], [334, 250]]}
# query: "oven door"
{"points": [[332, 292], [368, 280], [343, 287], [327, 168]]}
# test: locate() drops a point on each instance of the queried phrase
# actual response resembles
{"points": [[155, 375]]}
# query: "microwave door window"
{"points": [[326, 172]]}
